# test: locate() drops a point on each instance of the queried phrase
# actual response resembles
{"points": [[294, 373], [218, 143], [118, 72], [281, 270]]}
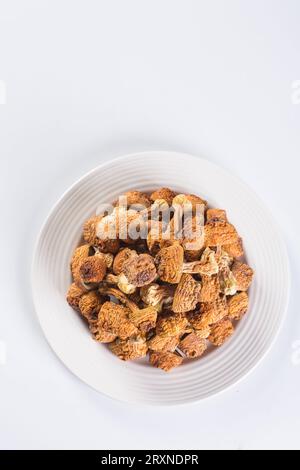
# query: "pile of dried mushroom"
{"points": [[166, 295]]}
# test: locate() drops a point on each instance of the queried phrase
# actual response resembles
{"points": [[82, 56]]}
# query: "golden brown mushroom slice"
{"points": [[130, 349], [105, 244], [210, 288], [192, 346], [172, 324], [122, 282], [165, 360], [74, 295], [219, 233], [140, 270], [114, 319], [208, 314], [169, 261], [90, 304], [165, 194], [243, 275], [221, 332], [124, 255], [162, 343], [93, 269], [79, 255], [235, 250], [187, 294], [207, 265], [238, 306]]}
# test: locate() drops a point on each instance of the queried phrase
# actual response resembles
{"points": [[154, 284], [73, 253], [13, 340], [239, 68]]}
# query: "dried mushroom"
{"points": [[130, 349], [124, 255], [160, 274], [221, 332], [243, 275], [162, 343], [165, 360], [192, 346], [238, 306], [187, 294], [140, 270], [74, 295], [157, 295], [210, 288], [164, 194], [92, 269]]}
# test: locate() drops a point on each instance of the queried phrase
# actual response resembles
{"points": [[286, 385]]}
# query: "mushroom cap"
{"points": [[113, 318], [187, 294], [161, 343], [210, 288], [140, 270], [74, 295], [93, 269], [169, 261], [90, 229], [235, 250], [238, 306], [79, 255], [120, 258], [192, 346], [163, 193], [90, 304], [130, 349], [221, 332], [243, 275], [171, 324], [165, 360], [219, 233]]}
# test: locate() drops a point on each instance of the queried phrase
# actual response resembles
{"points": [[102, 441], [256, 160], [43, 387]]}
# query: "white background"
{"points": [[89, 80]]}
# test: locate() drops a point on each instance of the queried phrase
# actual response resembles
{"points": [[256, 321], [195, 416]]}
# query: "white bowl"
{"points": [[137, 382]]}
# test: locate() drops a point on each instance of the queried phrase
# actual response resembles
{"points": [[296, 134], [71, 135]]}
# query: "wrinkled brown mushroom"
{"points": [[123, 255], [238, 306], [172, 324], [165, 194], [170, 264], [79, 255], [221, 332], [219, 233], [210, 288], [130, 349], [114, 319], [243, 275], [92, 269], [209, 313], [192, 346], [235, 250], [162, 343], [165, 360], [74, 295], [187, 294], [90, 304], [140, 270]]}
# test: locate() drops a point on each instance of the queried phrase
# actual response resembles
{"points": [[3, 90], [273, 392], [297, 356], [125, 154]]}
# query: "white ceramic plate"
{"points": [[137, 382]]}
